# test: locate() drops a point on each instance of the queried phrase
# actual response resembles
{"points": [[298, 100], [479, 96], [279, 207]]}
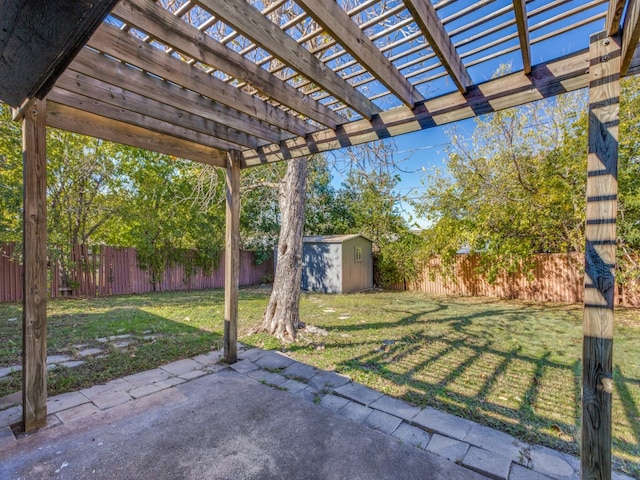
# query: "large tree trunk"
{"points": [[282, 316]]}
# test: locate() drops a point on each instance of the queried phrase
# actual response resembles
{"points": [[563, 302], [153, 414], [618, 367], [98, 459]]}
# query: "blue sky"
{"points": [[419, 153]]}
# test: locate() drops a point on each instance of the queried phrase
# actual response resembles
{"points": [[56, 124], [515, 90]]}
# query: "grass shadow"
{"points": [[110, 344]]}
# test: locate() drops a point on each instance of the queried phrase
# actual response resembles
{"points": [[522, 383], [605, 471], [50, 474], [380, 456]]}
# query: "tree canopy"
{"points": [[516, 187], [99, 192]]}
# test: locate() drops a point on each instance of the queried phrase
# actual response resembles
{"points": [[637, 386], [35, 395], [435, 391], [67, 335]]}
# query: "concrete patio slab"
{"points": [[442, 422], [4, 371], [147, 377], [10, 416], [182, 367], [355, 412], [518, 472], [192, 374], [395, 407], [269, 378], [412, 435], [6, 438], [293, 386], [449, 448], [482, 449], [497, 442], [209, 359], [328, 380], [65, 401], [11, 400], [488, 463], [244, 366], [333, 402], [146, 390], [358, 392], [310, 394], [383, 421], [81, 412], [197, 430], [252, 354], [551, 463], [300, 371], [274, 361]]}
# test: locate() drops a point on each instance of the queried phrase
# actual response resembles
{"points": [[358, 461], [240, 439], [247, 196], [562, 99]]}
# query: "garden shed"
{"points": [[337, 264]]}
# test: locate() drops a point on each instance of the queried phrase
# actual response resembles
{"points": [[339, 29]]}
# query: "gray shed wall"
{"points": [[332, 267], [322, 267], [356, 275]]}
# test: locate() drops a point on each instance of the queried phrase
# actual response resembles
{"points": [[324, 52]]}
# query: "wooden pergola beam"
{"points": [[74, 89], [544, 81], [337, 22], [630, 35], [86, 123], [600, 256], [126, 47], [131, 117], [614, 16], [553, 78], [426, 17], [232, 258], [252, 24], [99, 66], [34, 306], [38, 40], [520, 11], [171, 30]]}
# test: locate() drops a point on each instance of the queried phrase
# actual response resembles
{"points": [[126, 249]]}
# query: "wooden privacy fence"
{"points": [[107, 270], [554, 278]]}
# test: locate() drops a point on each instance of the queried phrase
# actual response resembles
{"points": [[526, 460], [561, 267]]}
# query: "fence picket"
{"points": [[114, 270], [556, 278]]}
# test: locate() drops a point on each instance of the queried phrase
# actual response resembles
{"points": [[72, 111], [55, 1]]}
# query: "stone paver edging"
{"points": [[474, 446]]}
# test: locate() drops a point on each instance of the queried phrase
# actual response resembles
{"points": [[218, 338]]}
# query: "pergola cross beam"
{"points": [[426, 17], [123, 45], [252, 24], [335, 21], [167, 28], [520, 12]]}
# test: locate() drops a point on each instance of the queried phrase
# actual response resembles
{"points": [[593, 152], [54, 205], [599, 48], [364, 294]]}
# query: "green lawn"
{"points": [[510, 365]]}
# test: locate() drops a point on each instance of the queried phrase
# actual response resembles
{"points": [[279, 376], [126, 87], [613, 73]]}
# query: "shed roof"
{"points": [[332, 238]]}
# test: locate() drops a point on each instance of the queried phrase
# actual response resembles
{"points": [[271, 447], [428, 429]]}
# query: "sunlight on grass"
{"points": [[514, 366]]}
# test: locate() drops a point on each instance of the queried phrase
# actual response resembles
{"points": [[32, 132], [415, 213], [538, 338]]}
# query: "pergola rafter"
{"points": [[425, 15], [171, 30], [227, 84], [255, 26], [337, 22], [119, 44], [630, 36], [520, 11]]}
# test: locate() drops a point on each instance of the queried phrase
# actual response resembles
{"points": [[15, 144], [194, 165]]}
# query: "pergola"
{"points": [[236, 84]]}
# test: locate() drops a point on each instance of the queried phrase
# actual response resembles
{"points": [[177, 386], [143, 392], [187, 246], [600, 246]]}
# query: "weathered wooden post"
{"points": [[600, 254], [232, 258], [34, 312]]}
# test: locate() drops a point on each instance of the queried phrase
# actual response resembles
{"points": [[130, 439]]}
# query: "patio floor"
{"points": [[198, 418]]}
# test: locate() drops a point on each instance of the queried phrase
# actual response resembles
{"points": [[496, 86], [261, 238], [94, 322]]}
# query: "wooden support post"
{"points": [[600, 254], [232, 258], [34, 312]]}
